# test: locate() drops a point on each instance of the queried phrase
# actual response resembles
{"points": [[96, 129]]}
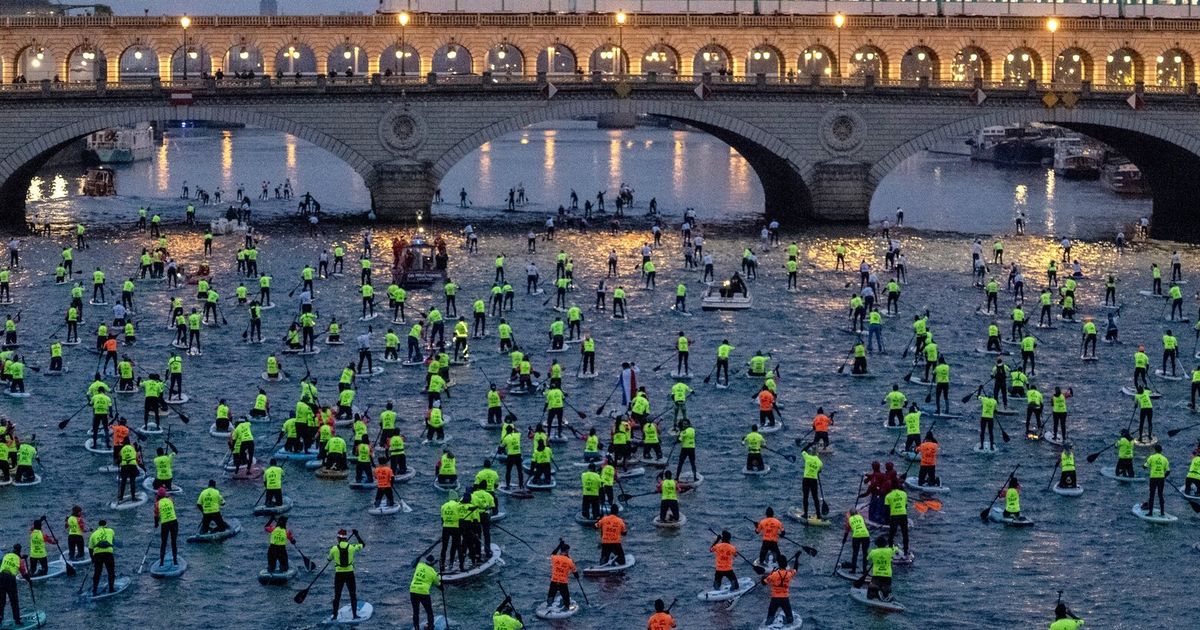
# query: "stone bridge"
{"points": [[820, 150]]}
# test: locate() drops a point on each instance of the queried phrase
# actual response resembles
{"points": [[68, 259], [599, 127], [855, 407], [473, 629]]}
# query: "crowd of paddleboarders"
{"points": [[334, 437]]}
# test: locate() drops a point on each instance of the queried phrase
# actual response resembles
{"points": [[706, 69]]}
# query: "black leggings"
{"points": [[780, 604], [345, 579], [719, 575], [561, 590], [169, 531], [420, 601]]}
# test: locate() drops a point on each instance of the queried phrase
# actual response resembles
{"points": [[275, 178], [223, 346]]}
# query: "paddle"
{"points": [[1092, 458], [582, 416], [842, 368], [600, 409], [519, 539], [308, 564], [303, 595], [142, 566], [1174, 432], [983, 516], [790, 458], [977, 391], [821, 490], [290, 293], [660, 365], [757, 569], [63, 423], [846, 536], [805, 548], [1003, 433], [582, 591], [904, 355], [714, 369], [421, 555], [70, 569], [1052, 473], [929, 394]]}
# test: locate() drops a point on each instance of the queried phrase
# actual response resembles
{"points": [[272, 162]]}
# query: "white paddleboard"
{"points": [[726, 593]]}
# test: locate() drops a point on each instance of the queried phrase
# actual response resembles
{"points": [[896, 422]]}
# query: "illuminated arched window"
{"points": [[243, 58], [711, 59], [1122, 67], [87, 64], [1173, 68], [505, 59], [917, 62], [660, 59], [1072, 66], [1021, 65], [764, 59], [138, 63], [868, 60], [815, 60], [347, 59], [295, 58], [452, 59], [609, 59], [556, 59], [970, 63]]}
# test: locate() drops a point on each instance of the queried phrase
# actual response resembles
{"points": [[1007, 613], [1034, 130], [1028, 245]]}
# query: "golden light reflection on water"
{"points": [[163, 165], [35, 189], [677, 164], [548, 157], [739, 173], [485, 165], [227, 157], [1050, 214], [614, 158]]}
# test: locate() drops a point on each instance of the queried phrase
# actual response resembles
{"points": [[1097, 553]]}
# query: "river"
{"points": [[1114, 569]]}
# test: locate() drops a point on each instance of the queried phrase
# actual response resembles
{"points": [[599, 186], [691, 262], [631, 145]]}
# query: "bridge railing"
{"points": [[199, 87]]}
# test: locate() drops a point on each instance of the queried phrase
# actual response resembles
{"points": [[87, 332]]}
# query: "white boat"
{"points": [[1074, 159], [119, 145], [714, 301]]}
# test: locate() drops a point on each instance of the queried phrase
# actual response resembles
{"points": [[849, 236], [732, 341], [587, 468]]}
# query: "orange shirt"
{"points": [[724, 552], [769, 527], [766, 400], [928, 451], [779, 581], [611, 527], [561, 567], [110, 345], [821, 423], [383, 476], [661, 621], [120, 434]]}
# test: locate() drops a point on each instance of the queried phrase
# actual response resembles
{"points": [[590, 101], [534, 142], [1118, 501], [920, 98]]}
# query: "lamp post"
{"points": [[619, 53], [839, 21], [403, 17], [185, 22], [1052, 26]]}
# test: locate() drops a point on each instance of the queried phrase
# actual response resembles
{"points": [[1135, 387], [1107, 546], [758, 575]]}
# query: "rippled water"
{"points": [[967, 574]]}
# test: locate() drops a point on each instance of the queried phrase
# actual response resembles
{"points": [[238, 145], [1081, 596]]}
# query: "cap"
{"points": [[342, 533]]}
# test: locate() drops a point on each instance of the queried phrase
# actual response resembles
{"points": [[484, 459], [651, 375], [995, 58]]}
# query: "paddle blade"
{"points": [[1004, 435], [983, 515], [301, 596], [1092, 458], [967, 397], [582, 416], [928, 398], [70, 570], [921, 507], [759, 570], [63, 424], [310, 565], [1174, 432], [841, 368], [809, 550]]}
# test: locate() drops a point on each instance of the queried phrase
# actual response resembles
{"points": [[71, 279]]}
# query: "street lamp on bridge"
{"points": [[839, 21], [1052, 26], [185, 22], [403, 18], [619, 53]]}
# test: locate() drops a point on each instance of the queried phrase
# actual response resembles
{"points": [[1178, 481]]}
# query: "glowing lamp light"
{"points": [[35, 63], [858, 56], [975, 57], [1159, 59], [451, 54], [346, 53], [193, 54], [758, 54], [185, 21], [766, 55], [870, 56], [501, 54], [40, 55], [1052, 24], [295, 54], [1010, 57], [817, 55], [403, 17], [1128, 59], [621, 17], [137, 54], [1024, 56], [1110, 59], [1075, 58], [920, 56], [839, 20], [245, 54], [707, 56], [1178, 59]]}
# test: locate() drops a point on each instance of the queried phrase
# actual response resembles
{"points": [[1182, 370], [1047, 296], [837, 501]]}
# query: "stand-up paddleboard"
{"points": [[375, 371], [779, 624], [676, 524], [168, 570], [1146, 442], [274, 510], [653, 461], [541, 485], [860, 595], [213, 431], [102, 592], [1068, 492], [384, 509], [330, 473], [302, 456], [232, 529], [92, 447], [54, 568], [126, 504], [455, 487], [610, 567], [757, 473], [345, 616], [25, 484], [797, 513], [771, 428], [894, 427], [1159, 518], [725, 592], [555, 610], [276, 577], [996, 515], [1111, 473], [29, 621], [81, 561], [459, 576], [181, 399], [982, 350], [685, 479], [1130, 391], [914, 483], [279, 378], [986, 449], [1167, 377], [148, 485]]}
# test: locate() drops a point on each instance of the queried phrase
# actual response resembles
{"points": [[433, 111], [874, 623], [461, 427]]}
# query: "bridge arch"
{"points": [[86, 64], [556, 58], [1166, 156], [18, 168], [34, 63], [781, 169]]}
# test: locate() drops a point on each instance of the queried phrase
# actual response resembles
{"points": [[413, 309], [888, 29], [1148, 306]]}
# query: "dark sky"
{"points": [[235, 7]]}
